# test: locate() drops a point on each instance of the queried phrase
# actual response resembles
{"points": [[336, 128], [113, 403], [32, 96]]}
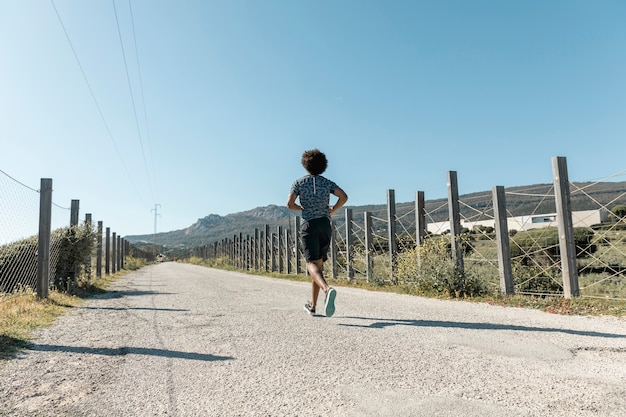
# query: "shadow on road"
{"points": [[119, 294], [130, 308], [128, 351], [380, 323]]}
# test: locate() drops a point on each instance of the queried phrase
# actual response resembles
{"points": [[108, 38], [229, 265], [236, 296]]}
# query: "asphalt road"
{"points": [[181, 340]]}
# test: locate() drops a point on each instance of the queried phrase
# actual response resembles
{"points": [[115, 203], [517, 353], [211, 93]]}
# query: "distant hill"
{"points": [[535, 199]]}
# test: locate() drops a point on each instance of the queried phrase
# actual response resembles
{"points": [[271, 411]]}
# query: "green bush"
{"points": [[430, 268], [76, 244], [18, 263], [619, 212]]}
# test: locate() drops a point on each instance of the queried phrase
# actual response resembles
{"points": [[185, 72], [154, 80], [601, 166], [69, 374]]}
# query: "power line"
{"points": [[143, 99], [132, 99], [93, 96]]}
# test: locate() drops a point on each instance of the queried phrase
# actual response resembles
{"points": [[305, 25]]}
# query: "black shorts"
{"points": [[316, 234]]}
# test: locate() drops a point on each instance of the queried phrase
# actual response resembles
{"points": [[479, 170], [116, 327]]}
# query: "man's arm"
{"points": [[342, 198], [291, 202]]}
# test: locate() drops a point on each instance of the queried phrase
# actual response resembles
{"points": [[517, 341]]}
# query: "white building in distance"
{"points": [[585, 218]]}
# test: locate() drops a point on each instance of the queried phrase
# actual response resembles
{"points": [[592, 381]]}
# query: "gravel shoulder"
{"points": [[182, 340]]}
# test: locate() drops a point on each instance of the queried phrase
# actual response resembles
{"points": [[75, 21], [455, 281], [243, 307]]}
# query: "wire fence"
{"points": [[22, 255], [19, 217], [388, 249]]}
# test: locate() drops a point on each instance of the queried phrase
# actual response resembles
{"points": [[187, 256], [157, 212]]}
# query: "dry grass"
{"points": [[21, 313]]}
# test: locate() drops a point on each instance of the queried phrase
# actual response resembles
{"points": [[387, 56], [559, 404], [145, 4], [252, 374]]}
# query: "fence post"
{"points": [[248, 264], [420, 218], [232, 251], [420, 224], [455, 220], [243, 251], [88, 222], [228, 251], [279, 248], [262, 245], [255, 249], [107, 252], [333, 247], [296, 243], [349, 245], [43, 244], [567, 244], [502, 239], [114, 253], [119, 252], [273, 252], [99, 251], [267, 248], [369, 246], [123, 254], [288, 247], [240, 248], [391, 229], [74, 212]]}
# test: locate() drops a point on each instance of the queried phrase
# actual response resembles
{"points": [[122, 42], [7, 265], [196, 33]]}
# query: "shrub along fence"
{"points": [[475, 250], [54, 258]]}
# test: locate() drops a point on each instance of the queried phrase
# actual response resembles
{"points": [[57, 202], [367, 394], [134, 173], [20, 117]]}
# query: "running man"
{"points": [[314, 193]]}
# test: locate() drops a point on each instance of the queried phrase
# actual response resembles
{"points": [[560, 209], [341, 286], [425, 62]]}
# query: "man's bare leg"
{"points": [[316, 271]]}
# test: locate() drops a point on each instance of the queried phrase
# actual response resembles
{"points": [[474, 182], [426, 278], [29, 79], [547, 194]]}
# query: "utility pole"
{"points": [[156, 213]]}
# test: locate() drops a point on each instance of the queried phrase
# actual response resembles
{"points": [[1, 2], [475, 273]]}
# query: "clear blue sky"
{"points": [[206, 106]]}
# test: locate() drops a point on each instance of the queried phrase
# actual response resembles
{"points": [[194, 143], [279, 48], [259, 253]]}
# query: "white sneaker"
{"points": [[329, 303]]}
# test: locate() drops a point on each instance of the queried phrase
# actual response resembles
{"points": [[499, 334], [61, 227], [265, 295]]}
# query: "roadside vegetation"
{"points": [[435, 275], [551, 304]]}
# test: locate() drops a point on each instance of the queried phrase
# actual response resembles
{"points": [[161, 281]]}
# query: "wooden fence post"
{"points": [[420, 225], [122, 253], [420, 218], [455, 220], [567, 244], [74, 212], [502, 239], [288, 247], [240, 249], [267, 247], [262, 262], [369, 246], [279, 249], [107, 252], [256, 250], [114, 253], [273, 252], [119, 252], [349, 245], [43, 245], [333, 247], [391, 230], [248, 262], [296, 244], [99, 251]]}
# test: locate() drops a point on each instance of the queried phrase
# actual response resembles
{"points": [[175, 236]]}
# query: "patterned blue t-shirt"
{"points": [[314, 192]]}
